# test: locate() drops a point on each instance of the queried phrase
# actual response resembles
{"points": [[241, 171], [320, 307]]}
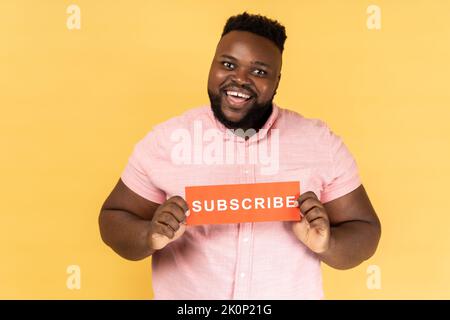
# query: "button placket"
{"points": [[243, 270]]}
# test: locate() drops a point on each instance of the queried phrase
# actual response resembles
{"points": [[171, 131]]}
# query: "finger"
{"points": [[164, 229], [306, 195], [168, 219], [174, 209], [319, 223], [314, 214], [308, 205], [180, 202], [320, 226], [179, 232]]}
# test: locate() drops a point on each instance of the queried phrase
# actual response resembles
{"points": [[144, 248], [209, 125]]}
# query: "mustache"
{"points": [[255, 118], [235, 85]]}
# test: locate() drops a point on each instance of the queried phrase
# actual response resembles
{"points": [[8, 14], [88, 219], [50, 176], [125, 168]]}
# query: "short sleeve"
{"points": [[343, 175], [137, 174]]}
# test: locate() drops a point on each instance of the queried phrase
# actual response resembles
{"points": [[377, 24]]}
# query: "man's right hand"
{"points": [[168, 223]]}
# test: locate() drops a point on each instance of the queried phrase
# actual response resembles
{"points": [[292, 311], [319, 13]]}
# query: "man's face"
{"points": [[247, 65]]}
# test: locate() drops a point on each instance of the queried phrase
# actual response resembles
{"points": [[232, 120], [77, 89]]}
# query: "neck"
{"points": [[255, 120], [261, 121]]}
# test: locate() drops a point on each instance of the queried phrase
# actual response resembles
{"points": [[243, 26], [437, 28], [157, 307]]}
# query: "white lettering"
{"points": [[244, 206], [196, 206]]}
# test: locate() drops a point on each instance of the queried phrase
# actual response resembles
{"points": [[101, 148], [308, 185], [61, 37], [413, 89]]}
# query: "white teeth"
{"points": [[238, 94]]}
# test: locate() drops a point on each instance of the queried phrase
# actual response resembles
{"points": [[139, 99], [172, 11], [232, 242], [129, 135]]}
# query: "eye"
{"points": [[228, 65], [259, 72]]}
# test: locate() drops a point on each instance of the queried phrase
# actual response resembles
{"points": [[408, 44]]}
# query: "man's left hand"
{"points": [[314, 227]]}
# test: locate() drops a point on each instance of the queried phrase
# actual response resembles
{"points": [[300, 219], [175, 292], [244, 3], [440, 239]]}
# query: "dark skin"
{"points": [[343, 232], [245, 60]]}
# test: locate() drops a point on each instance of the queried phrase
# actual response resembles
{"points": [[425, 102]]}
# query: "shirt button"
{"points": [[245, 239], [242, 275], [246, 171]]}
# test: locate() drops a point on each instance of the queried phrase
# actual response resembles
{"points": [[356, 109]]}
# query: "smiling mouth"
{"points": [[237, 99]]}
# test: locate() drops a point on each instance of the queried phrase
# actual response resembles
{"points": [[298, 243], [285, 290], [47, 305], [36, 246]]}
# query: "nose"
{"points": [[241, 76]]}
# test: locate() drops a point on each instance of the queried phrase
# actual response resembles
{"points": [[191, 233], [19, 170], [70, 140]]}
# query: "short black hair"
{"points": [[257, 24]]}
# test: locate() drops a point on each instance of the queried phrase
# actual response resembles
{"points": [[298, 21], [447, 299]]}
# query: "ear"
{"points": [[278, 82]]}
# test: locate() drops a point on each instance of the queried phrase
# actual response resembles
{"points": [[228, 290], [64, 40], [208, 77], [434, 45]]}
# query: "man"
{"points": [[146, 212]]}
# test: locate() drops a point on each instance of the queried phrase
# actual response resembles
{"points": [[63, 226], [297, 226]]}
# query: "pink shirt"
{"points": [[261, 260]]}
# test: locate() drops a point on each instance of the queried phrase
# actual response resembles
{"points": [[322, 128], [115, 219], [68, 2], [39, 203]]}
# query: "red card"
{"points": [[235, 203]]}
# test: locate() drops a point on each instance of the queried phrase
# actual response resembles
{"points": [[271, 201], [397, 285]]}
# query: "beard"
{"points": [[255, 118]]}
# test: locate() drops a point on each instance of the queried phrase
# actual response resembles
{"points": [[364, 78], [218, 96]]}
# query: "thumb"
{"points": [[301, 228]]}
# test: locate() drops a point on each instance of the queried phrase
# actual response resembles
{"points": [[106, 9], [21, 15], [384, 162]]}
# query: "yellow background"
{"points": [[74, 103]]}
